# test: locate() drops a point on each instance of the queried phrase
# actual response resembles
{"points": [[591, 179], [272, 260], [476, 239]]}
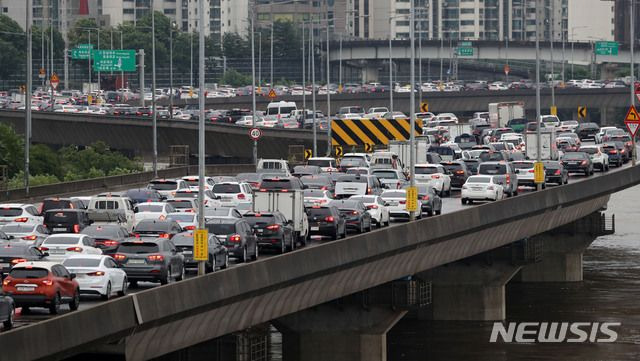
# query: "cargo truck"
{"points": [[290, 204], [548, 147], [501, 113]]}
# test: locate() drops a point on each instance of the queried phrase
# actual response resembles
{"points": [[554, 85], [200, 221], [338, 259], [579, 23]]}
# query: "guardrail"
{"points": [[116, 182]]}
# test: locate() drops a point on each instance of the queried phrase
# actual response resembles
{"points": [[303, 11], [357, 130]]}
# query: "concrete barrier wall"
{"points": [[114, 183], [164, 319]]}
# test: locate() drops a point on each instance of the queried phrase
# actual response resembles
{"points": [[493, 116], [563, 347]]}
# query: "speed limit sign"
{"points": [[255, 133]]}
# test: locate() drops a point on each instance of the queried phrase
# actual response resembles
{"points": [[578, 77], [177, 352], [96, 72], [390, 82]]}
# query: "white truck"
{"points": [[501, 113], [402, 149], [107, 209], [548, 147], [290, 204], [459, 129]]}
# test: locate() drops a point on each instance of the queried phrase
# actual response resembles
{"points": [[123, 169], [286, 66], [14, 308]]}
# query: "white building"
{"points": [[591, 20]]}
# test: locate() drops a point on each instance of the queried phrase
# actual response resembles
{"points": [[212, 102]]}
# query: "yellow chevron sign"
{"points": [[371, 131]]}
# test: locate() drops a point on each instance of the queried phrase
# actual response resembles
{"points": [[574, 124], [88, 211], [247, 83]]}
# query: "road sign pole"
{"points": [[412, 107], [27, 102], [538, 117], [632, 86], [201, 130]]}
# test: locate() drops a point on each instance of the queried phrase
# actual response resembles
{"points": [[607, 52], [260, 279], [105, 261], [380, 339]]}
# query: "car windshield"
{"points": [[10, 212], [151, 226], [226, 188], [276, 184], [182, 217], [221, 228], [365, 199], [149, 208], [452, 167], [187, 194], [29, 273], [138, 247], [61, 240], [426, 170], [490, 156], [523, 165], [81, 262], [320, 162], [589, 150], [176, 203], [393, 194], [383, 174], [191, 182], [479, 180], [320, 211], [18, 228], [313, 193], [258, 218], [55, 204], [216, 212], [248, 177], [98, 231], [492, 169], [163, 185], [574, 155]]}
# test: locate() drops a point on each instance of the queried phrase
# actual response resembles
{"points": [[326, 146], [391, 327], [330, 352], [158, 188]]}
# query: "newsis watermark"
{"points": [[555, 332]]}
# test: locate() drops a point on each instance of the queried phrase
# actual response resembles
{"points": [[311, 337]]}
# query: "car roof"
{"points": [[152, 203], [38, 264], [14, 205], [91, 256]]}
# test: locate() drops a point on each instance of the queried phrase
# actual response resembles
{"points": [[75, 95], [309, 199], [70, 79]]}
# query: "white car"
{"points": [[210, 199], [29, 232], [153, 210], [396, 201], [326, 164], [63, 245], [316, 197], [233, 193], [481, 188], [550, 120], [599, 158], [19, 213], [247, 121], [97, 275], [436, 175], [192, 182], [390, 178], [187, 221], [601, 133], [524, 170], [569, 125], [443, 118], [168, 187], [376, 208]]}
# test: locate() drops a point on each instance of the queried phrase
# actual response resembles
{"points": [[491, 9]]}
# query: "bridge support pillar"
{"points": [[562, 250], [469, 290], [338, 333]]}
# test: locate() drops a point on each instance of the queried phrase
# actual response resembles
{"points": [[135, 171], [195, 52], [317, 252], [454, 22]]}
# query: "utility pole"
{"points": [[312, 53], [191, 62], [304, 82], [51, 56], [271, 62], [253, 86], [89, 32], [201, 135], [634, 151], [154, 116], [538, 111], [340, 85], [551, 40], [141, 52], [44, 79], [27, 101], [390, 67], [412, 104], [328, 116], [260, 59], [171, 71]]}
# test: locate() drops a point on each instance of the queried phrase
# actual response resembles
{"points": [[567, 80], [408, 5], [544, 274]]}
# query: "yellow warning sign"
{"points": [[200, 245], [424, 107], [412, 199], [538, 172]]}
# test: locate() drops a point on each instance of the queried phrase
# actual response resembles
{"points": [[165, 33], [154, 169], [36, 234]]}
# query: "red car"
{"points": [[42, 284]]}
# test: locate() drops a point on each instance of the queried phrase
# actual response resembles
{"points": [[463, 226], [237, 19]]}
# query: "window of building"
{"points": [[467, 34], [402, 23], [127, 11], [467, 11], [169, 11], [467, 22]]}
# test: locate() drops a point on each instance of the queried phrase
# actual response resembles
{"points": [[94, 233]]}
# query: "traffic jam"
{"points": [[61, 253]]}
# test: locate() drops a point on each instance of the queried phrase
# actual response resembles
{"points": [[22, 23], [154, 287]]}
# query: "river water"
{"points": [[610, 292]]}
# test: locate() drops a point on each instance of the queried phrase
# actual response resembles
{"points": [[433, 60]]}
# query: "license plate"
{"points": [[59, 229], [259, 230], [393, 203], [187, 252], [315, 228], [4, 265], [476, 189], [136, 261], [56, 251], [25, 289]]}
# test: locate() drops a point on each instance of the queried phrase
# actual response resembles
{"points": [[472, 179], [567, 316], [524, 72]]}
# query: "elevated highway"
{"points": [[169, 318]]}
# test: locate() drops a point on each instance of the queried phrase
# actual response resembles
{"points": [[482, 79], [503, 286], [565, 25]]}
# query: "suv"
{"points": [[503, 174], [587, 130], [20, 213], [42, 284], [154, 260], [326, 221], [157, 228], [168, 187], [281, 184], [218, 256], [60, 203], [352, 184], [66, 220], [237, 235], [273, 230], [458, 172], [233, 193]]}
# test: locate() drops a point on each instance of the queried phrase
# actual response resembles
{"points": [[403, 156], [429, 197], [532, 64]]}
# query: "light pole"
{"points": [[304, 82], [390, 67], [551, 40], [27, 102], [259, 59], [191, 61], [412, 103], [634, 151], [201, 135], [328, 116], [340, 85], [253, 86], [271, 62], [313, 90], [173, 24], [538, 111], [154, 116]]}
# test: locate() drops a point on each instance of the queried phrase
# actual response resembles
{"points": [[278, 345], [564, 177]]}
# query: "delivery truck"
{"points": [[501, 113], [548, 147], [290, 204]]}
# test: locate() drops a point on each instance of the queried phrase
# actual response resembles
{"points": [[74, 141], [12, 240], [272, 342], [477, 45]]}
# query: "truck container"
{"points": [[548, 147], [290, 204], [501, 113]]}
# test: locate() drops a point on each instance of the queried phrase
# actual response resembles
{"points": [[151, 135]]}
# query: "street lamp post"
{"points": [[154, 116], [313, 90], [173, 24], [538, 110], [634, 151], [328, 116], [551, 40], [253, 87], [201, 130], [27, 102], [412, 103], [304, 82], [390, 67]]}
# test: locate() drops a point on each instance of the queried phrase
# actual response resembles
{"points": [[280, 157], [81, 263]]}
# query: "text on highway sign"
{"points": [[255, 133], [412, 199], [200, 245], [606, 48], [114, 60]]}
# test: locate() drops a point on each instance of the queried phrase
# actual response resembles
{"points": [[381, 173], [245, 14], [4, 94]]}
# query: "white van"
{"points": [[281, 109], [273, 166]]}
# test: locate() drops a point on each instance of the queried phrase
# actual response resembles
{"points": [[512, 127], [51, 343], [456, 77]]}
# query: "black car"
{"points": [[578, 162], [458, 172], [66, 220], [60, 203], [431, 201], [472, 165], [273, 230], [151, 259], [587, 130], [355, 214], [141, 195], [218, 255], [615, 157], [167, 228], [317, 182], [555, 172], [622, 150], [237, 235], [326, 221], [107, 236], [12, 253]]}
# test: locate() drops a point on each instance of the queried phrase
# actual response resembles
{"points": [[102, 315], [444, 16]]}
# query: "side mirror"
{"points": [[73, 276], [386, 204], [10, 237], [45, 254]]}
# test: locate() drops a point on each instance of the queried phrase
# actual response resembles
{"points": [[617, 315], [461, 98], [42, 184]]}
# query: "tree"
{"points": [[234, 78], [11, 149], [235, 46], [12, 43]]}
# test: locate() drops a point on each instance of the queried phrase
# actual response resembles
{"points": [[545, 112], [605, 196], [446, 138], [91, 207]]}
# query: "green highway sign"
{"points": [[464, 43], [464, 51], [606, 48], [81, 51], [114, 60]]}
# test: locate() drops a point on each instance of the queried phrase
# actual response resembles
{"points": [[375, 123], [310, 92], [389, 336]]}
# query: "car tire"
{"points": [[429, 213], [107, 294], [470, 201], [181, 277], [75, 302], [8, 323], [463, 200], [245, 256], [255, 253], [225, 265], [123, 290], [438, 212], [283, 246], [133, 284], [166, 279], [336, 235], [54, 307]]}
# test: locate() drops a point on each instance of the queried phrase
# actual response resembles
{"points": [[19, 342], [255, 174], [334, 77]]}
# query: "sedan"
{"points": [[355, 214], [12, 253], [396, 200], [273, 230], [35, 233], [524, 170], [326, 221], [154, 228], [481, 188], [63, 245], [316, 196], [599, 158], [98, 275], [152, 211], [431, 201], [238, 237], [377, 209], [576, 162], [218, 254], [555, 172], [107, 237]]}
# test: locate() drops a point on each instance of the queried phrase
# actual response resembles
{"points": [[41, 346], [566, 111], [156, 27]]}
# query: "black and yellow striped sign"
{"points": [[371, 131]]}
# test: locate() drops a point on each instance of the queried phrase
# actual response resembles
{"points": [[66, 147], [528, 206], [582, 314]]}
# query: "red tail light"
{"points": [[557, 172], [273, 227], [403, 202], [97, 273], [18, 260], [47, 282], [235, 238], [119, 257], [329, 219], [324, 188], [425, 198], [435, 176], [241, 196], [368, 190], [372, 206], [74, 249], [531, 171], [613, 152], [44, 249], [21, 219], [190, 228], [30, 238], [40, 208], [76, 228], [155, 258], [459, 172], [508, 178], [110, 243], [355, 213], [164, 235]]}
